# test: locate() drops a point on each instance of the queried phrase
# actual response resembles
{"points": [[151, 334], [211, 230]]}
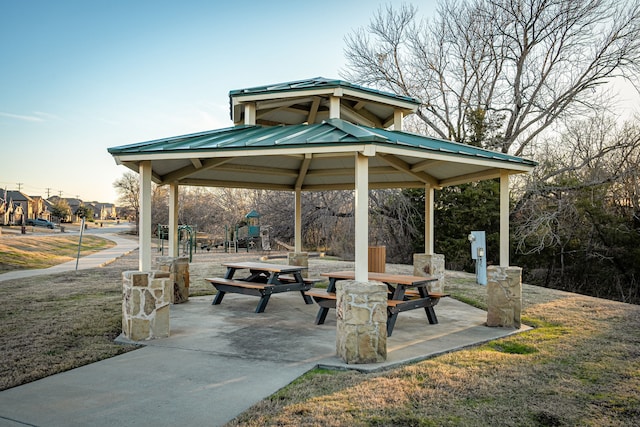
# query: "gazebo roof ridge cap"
{"points": [[316, 83]]}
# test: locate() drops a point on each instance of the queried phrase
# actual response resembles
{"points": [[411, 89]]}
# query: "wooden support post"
{"points": [[428, 220], [250, 113], [397, 120], [298, 222], [144, 222], [173, 220], [362, 218], [504, 219]]}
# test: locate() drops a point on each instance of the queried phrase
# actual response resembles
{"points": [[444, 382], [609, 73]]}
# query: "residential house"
{"points": [[23, 207], [102, 211], [5, 210], [73, 203], [41, 208], [10, 213]]}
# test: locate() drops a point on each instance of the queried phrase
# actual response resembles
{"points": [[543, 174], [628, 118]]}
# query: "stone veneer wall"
{"points": [[430, 265], [361, 311], [178, 269], [504, 296], [145, 304]]}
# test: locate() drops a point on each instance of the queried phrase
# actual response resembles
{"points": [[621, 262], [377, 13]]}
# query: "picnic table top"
{"points": [[273, 268], [401, 279]]}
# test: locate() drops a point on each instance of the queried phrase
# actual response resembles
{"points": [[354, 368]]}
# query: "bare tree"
{"points": [[395, 221], [580, 211], [509, 69], [128, 188]]}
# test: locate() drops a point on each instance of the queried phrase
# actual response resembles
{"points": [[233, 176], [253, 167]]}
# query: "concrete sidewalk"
{"points": [[220, 360], [123, 246]]}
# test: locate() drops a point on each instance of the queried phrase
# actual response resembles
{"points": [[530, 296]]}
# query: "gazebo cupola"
{"points": [[315, 100]]}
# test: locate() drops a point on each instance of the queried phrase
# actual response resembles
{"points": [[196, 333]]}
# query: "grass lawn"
{"points": [[580, 365], [27, 252]]}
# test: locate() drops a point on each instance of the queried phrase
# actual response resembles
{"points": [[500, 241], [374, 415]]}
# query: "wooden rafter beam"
{"points": [[425, 164], [302, 172], [361, 116], [294, 110], [236, 184], [277, 103], [471, 177], [403, 166], [372, 185], [184, 172], [258, 170], [349, 172], [313, 111]]}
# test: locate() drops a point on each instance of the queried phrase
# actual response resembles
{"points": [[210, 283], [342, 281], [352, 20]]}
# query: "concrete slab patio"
{"points": [[220, 360]]}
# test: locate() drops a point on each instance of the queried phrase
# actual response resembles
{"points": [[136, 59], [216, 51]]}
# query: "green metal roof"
{"points": [[317, 83], [314, 157], [332, 132]]}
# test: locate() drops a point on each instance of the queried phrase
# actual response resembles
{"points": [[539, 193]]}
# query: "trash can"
{"points": [[377, 258]]}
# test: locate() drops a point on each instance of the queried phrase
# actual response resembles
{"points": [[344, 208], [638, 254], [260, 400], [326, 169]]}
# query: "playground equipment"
{"points": [[186, 239], [247, 236]]}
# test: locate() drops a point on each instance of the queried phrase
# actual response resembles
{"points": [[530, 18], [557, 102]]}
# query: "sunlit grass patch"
{"points": [[473, 302], [512, 347], [28, 252]]}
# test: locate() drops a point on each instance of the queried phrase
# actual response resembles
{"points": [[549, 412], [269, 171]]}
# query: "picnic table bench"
{"points": [[405, 293], [263, 281]]}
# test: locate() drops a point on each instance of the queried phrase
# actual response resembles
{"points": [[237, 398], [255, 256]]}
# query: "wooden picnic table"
{"points": [[263, 280], [405, 293]]}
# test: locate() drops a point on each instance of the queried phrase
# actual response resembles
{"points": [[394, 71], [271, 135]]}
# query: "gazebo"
{"points": [[313, 135]]}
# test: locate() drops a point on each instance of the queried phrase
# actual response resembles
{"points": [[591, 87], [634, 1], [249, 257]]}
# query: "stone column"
{"points": [[361, 310], [430, 265], [504, 296], [178, 269], [145, 304], [299, 259]]}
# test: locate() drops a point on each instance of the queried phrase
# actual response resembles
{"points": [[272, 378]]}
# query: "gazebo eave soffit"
{"points": [[181, 167]]}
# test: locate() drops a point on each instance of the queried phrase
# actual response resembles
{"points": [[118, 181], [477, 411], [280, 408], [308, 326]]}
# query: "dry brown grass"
{"points": [[579, 366], [57, 322], [27, 252]]}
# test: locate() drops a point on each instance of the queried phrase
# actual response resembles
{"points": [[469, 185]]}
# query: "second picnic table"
{"points": [[263, 280], [405, 293]]}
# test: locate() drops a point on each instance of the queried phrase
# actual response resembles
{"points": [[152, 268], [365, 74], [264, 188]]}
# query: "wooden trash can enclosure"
{"points": [[377, 258]]}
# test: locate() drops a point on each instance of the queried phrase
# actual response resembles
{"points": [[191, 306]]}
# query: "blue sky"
{"points": [[78, 77]]}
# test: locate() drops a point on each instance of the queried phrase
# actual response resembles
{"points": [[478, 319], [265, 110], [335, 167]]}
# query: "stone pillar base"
{"points": [[504, 296], [361, 310], [430, 265], [145, 304], [299, 259], [178, 269]]}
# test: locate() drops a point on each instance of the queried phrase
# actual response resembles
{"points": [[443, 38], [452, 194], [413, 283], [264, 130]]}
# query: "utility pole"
{"points": [[19, 184], [48, 191]]}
